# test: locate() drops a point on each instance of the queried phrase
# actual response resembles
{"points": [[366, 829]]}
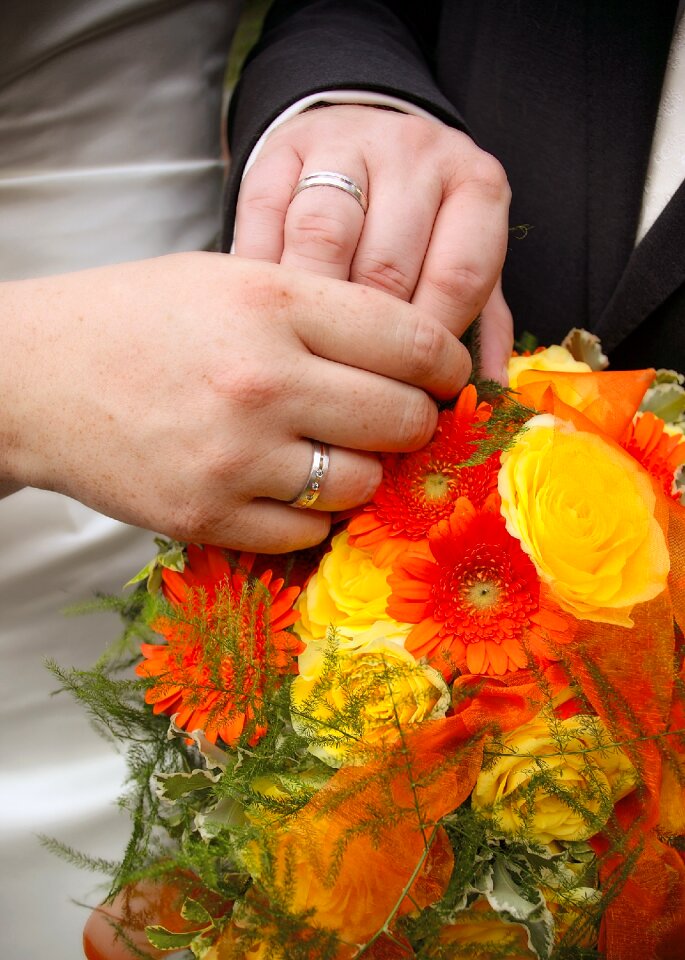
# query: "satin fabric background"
{"points": [[109, 151]]}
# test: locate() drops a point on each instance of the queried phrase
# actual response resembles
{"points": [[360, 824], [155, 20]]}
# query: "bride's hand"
{"points": [[436, 228], [178, 393]]}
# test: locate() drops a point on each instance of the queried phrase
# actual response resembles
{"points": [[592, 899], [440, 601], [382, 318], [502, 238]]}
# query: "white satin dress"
{"points": [[109, 151]]}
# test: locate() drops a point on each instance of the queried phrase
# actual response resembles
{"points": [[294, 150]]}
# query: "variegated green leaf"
{"points": [[164, 939], [586, 347], [172, 786], [194, 912], [213, 756], [507, 897], [171, 556]]}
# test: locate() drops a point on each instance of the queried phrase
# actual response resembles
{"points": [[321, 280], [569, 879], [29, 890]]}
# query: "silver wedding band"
{"points": [[328, 178], [317, 474]]}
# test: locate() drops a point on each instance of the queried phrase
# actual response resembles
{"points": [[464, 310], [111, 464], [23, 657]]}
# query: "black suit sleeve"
{"points": [[316, 45]]}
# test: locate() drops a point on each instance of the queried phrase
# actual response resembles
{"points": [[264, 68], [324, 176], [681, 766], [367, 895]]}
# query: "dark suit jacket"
{"points": [[565, 94]]}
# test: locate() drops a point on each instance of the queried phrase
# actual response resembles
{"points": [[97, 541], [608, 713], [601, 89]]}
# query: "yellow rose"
{"points": [[583, 510], [554, 782], [347, 592], [352, 697], [553, 359]]}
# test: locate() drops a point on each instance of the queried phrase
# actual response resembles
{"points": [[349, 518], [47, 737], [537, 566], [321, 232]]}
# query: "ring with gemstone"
{"points": [[317, 474], [329, 178]]}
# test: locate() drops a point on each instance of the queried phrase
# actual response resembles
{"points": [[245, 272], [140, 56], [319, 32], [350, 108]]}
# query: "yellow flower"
{"points": [[553, 359], [555, 781], [347, 592], [349, 698], [583, 510]]}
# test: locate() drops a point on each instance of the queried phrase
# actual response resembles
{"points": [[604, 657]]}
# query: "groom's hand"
{"points": [[181, 393], [435, 233]]}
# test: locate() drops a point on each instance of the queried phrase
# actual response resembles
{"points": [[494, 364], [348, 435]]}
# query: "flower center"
{"points": [[483, 594], [436, 486]]}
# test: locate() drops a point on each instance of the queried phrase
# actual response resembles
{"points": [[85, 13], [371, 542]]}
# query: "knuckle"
{"points": [[327, 236], [461, 284], [282, 137], [260, 205], [385, 273], [424, 348], [421, 133], [217, 481], [488, 173], [252, 388], [427, 136], [418, 421], [459, 370], [195, 521]]}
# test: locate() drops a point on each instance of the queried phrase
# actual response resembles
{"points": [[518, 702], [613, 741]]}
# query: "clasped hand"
{"points": [[179, 393], [436, 229]]}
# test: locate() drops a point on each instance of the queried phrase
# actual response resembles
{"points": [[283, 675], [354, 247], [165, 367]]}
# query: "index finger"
{"points": [[365, 328], [263, 203]]}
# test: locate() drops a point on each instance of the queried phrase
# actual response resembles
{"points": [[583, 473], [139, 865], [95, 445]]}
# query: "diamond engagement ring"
{"points": [[328, 178], [317, 475]]}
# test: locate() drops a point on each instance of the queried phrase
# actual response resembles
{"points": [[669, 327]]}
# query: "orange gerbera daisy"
{"points": [[224, 649], [659, 452], [474, 596], [419, 489]]}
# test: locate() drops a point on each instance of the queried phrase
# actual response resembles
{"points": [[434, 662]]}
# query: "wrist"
{"points": [[20, 386]]}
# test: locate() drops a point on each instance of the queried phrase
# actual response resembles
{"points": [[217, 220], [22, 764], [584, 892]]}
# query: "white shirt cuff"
{"points": [[357, 97], [363, 97]]}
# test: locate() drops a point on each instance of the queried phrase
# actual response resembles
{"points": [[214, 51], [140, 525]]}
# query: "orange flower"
{"points": [[257, 936], [116, 924], [225, 646], [368, 845], [659, 452], [474, 596], [493, 705], [479, 932], [419, 489]]}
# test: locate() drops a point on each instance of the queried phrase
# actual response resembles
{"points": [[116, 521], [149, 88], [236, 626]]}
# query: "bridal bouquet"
{"points": [[458, 728]]}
